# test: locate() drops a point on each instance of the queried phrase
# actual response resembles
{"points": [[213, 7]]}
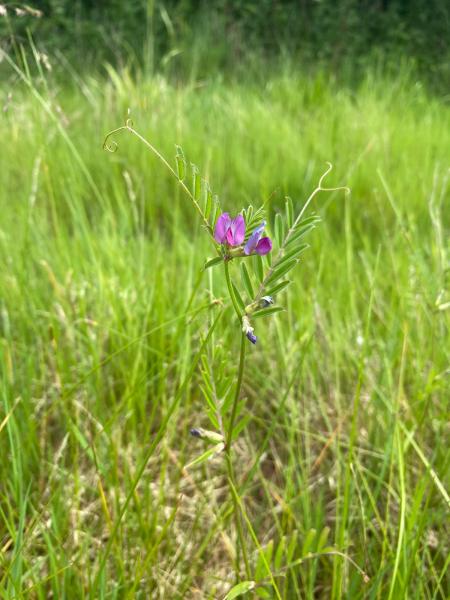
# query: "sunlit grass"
{"points": [[103, 315]]}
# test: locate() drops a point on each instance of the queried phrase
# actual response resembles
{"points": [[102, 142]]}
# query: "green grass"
{"points": [[103, 315]]}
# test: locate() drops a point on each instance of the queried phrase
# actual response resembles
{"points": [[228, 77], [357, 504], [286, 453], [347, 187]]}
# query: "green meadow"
{"points": [[341, 461]]}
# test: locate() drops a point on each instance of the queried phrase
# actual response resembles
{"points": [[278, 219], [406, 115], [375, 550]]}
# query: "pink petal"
{"points": [[264, 246], [238, 227], [222, 225]]}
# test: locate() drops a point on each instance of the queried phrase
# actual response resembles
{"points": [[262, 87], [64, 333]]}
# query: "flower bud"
{"points": [[206, 434], [265, 301], [248, 329]]}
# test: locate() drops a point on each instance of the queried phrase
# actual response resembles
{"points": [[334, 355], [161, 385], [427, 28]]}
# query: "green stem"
{"points": [[231, 291], [231, 477], [237, 391], [238, 523]]}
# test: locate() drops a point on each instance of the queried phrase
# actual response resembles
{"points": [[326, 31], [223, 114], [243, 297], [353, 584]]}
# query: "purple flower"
{"points": [[230, 231], [257, 244], [251, 336], [248, 329]]}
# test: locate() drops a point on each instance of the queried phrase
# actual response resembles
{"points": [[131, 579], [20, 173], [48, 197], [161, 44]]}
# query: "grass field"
{"points": [[342, 467]]}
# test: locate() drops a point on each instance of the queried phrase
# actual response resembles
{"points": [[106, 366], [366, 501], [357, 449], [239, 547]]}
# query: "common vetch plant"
{"points": [[255, 268]]}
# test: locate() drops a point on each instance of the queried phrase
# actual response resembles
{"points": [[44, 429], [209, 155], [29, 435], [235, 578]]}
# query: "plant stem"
{"points": [[237, 391], [231, 291], [231, 478]]}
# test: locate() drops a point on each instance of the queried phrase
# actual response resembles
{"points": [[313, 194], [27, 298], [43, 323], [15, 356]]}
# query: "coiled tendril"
{"points": [[112, 146]]}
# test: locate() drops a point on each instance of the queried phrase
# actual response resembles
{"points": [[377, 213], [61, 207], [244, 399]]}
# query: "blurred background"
{"points": [[234, 38]]}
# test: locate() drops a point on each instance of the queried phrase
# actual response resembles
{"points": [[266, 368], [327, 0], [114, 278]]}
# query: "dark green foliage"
{"points": [[195, 38]]}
